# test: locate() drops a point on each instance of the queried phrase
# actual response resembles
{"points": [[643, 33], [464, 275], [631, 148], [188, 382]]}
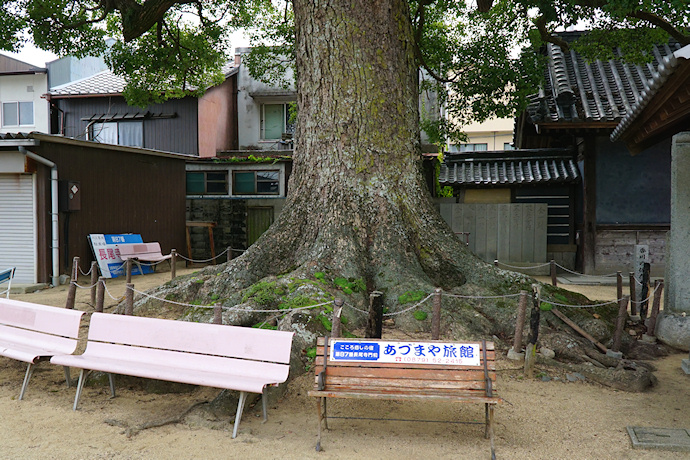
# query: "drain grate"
{"points": [[675, 439]]}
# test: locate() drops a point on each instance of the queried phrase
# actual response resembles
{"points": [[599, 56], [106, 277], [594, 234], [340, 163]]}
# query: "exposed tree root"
{"points": [[130, 431]]}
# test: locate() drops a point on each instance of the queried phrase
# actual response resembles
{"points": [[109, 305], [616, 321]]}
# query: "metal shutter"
{"points": [[18, 226]]}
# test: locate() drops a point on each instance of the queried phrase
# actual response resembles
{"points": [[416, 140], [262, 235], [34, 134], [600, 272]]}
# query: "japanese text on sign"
{"points": [[451, 353]]}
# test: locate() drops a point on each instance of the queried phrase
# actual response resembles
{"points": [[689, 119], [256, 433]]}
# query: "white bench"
{"points": [[231, 357], [6, 277], [143, 252], [32, 333]]}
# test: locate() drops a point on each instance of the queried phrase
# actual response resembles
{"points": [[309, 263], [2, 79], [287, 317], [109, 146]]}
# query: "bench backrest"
{"points": [[210, 339], [406, 377], [6, 277], [41, 318], [137, 249]]}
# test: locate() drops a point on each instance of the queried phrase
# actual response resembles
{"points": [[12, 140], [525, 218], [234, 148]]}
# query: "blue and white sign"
{"points": [[446, 353], [108, 257]]}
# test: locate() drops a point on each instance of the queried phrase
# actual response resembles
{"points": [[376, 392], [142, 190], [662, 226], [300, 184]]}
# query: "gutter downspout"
{"points": [[53, 212]]}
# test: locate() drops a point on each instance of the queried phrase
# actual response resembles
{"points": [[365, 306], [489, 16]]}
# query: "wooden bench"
{"points": [[230, 357], [143, 252], [33, 333], [376, 369], [6, 276]]}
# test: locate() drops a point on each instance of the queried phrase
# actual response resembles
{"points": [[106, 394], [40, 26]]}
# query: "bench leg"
{"points": [[490, 427], [111, 381], [67, 377], [320, 413], [80, 386], [263, 405], [27, 377], [486, 420], [238, 415]]}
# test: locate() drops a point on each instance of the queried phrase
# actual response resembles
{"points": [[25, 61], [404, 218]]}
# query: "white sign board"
{"points": [[446, 353], [108, 256]]}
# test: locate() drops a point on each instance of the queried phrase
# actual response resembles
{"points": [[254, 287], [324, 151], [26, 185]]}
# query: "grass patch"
{"points": [[411, 297]]}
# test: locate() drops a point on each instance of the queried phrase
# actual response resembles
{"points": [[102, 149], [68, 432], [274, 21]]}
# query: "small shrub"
{"points": [[420, 315], [545, 306], [411, 297]]}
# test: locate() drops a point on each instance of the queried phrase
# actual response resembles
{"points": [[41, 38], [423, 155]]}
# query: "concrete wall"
{"points": [[251, 94], [70, 68], [217, 123]]}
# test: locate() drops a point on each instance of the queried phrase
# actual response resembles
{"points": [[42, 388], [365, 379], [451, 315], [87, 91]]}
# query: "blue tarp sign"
{"points": [[108, 256], [445, 353]]}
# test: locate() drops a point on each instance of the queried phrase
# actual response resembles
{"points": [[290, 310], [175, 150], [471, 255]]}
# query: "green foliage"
{"points": [[349, 286], [411, 297], [311, 353], [296, 302], [420, 315], [265, 325], [545, 306], [325, 322], [264, 292]]}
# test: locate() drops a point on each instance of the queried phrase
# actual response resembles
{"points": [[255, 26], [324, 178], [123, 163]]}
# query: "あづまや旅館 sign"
{"points": [[450, 353]]}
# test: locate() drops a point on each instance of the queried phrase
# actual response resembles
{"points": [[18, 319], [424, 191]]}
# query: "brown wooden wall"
{"points": [[120, 193]]}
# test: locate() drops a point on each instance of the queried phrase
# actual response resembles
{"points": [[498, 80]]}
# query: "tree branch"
{"points": [[418, 39], [540, 22], [137, 18], [661, 24]]}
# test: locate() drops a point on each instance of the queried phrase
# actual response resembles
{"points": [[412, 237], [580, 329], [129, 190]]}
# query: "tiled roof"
{"points": [[601, 91], [106, 82], [534, 167], [668, 66]]}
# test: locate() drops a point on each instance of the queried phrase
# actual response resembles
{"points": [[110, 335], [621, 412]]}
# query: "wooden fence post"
{"points": [[72, 292], [128, 269], [619, 285], [100, 294], [615, 350], [531, 349], [554, 280], [633, 298], [173, 264], [337, 325], [217, 314], [515, 353], [94, 281], [229, 253], [436, 315], [644, 292], [650, 335], [129, 299], [375, 323]]}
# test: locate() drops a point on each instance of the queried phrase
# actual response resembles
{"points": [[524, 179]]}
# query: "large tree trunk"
{"points": [[358, 206]]}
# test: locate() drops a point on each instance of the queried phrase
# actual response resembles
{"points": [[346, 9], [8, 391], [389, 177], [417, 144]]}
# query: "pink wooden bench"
{"points": [[142, 252], [32, 333], [235, 358]]}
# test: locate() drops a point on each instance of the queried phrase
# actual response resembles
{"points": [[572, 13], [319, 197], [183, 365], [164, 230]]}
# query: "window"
{"points": [[130, 133], [276, 120], [255, 183], [508, 146], [17, 114], [473, 147], [207, 182]]}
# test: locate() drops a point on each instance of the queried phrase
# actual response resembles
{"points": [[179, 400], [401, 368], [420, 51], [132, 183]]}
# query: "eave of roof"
{"points": [[36, 138], [672, 78], [511, 167]]}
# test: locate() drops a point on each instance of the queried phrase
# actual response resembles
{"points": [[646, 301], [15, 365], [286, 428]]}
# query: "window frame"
{"points": [[286, 126], [256, 192], [117, 124], [18, 113], [206, 182]]}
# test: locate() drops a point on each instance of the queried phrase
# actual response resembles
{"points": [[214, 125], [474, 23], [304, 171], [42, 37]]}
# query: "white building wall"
{"points": [[26, 88]]}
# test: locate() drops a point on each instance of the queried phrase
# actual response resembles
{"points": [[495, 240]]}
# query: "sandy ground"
{"points": [[552, 419]]}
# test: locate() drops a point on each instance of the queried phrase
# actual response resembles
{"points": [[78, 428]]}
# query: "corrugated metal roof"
{"points": [[534, 167], [108, 83], [601, 91]]}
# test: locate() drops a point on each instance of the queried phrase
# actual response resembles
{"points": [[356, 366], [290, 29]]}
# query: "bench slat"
{"points": [[478, 397], [403, 384], [212, 339], [147, 252], [403, 374]]}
